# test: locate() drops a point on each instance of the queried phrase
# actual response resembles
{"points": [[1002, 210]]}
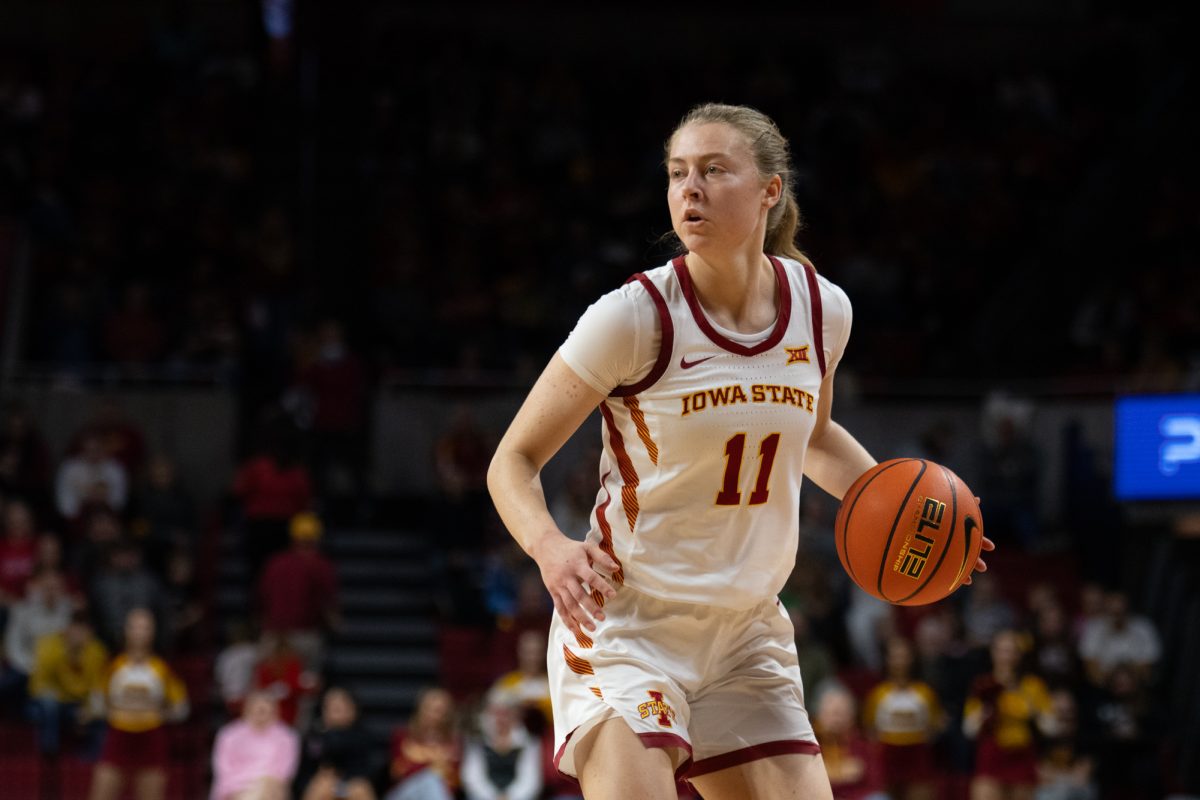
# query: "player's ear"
{"points": [[773, 191]]}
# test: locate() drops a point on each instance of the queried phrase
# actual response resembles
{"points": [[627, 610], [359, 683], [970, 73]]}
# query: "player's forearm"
{"points": [[835, 460], [515, 485]]}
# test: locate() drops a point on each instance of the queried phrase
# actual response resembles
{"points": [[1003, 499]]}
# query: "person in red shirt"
{"points": [[18, 553], [298, 592], [335, 382], [282, 675], [427, 753], [853, 771], [273, 487]]}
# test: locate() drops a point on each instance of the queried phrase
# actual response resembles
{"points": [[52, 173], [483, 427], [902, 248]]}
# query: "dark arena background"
{"points": [[275, 276]]}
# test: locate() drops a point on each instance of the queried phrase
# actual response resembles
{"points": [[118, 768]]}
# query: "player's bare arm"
{"points": [[835, 459], [555, 408]]}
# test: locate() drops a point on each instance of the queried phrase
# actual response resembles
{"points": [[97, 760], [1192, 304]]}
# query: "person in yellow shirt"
{"points": [[140, 694], [68, 669], [1002, 713], [528, 684], [904, 716]]}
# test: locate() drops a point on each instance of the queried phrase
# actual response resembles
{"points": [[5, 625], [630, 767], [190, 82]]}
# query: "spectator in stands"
{"points": [[50, 559], [281, 673], [134, 333], [182, 607], [1066, 768], [816, 660], [298, 592], [123, 585], [1004, 713], [91, 476], [853, 772], [273, 487], [120, 438], [140, 695], [528, 684], [1009, 478], [339, 753], [101, 531], [904, 716], [24, 457], [1091, 607], [1127, 726], [335, 381], [986, 612], [46, 610], [505, 762], [1119, 637], [18, 552], [166, 515], [949, 665], [460, 458], [427, 754], [1055, 655], [571, 508], [869, 623], [64, 687], [255, 757], [234, 667]]}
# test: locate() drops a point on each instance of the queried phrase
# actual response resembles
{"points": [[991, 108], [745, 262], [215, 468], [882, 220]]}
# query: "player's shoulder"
{"points": [[831, 293], [634, 292]]}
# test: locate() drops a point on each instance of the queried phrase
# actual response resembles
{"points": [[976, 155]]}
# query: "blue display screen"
{"points": [[1158, 447]]}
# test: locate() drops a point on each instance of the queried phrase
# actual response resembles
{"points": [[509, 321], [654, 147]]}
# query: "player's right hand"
{"points": [[569, 569]]}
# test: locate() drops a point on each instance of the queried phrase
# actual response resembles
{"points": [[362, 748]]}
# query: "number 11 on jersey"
{"points": [[730, 494]]}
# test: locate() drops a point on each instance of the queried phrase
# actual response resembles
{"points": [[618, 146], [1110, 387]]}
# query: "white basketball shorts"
{"points": [[720, 686]]}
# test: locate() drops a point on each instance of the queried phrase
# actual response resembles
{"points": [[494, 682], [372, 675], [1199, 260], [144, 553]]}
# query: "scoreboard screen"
{"points": [[1158, 447]]}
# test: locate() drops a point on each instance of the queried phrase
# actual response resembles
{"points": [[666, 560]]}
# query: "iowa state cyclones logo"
{"points": [[657, 706]]}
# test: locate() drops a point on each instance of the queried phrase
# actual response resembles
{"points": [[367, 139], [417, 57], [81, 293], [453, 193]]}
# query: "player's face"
{"points": [[717, 198]]}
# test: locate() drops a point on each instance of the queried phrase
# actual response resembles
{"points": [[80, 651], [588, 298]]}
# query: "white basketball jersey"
{"points": [[703, 458]]}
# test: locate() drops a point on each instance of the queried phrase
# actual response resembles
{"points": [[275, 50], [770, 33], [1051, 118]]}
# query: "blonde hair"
{"points": [[772, 156]]}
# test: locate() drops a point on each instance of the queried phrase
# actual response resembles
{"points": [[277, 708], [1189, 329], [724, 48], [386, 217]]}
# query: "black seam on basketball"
{"points": [[967, 552], [949, 536], [850, 510], [887, 548]]}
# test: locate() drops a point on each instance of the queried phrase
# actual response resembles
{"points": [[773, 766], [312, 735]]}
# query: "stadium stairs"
{"points": [[386, 649]]}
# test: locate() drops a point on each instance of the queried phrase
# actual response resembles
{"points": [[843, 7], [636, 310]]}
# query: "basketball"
{"points": [[908, 531]]}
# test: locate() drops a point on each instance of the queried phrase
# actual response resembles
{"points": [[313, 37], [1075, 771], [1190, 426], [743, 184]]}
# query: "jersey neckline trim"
{"points": [[715, 336]]}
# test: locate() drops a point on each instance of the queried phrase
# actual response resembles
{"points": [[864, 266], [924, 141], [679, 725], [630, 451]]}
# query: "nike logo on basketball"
{"points": [[685, 364], [969, 525]]}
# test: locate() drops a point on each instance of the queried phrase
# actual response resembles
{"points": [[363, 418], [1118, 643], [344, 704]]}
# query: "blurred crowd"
{"points": [[468, 205], [491, 195]]}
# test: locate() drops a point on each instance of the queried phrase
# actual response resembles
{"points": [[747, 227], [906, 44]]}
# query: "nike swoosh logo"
{"points": [[969, 525], [685, 364]]}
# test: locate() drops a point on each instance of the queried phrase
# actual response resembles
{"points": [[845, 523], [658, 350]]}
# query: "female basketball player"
{"points": [[669, 653]]}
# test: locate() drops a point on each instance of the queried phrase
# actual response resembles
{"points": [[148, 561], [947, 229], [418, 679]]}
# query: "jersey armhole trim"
{"points": [[818, 322], [666, 345]]}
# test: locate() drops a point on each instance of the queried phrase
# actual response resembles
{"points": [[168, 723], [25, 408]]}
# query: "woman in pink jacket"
{"points": [[255, 757]]}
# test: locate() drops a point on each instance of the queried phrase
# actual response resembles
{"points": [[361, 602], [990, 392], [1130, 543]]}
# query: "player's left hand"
{"points": [[986, 545]]}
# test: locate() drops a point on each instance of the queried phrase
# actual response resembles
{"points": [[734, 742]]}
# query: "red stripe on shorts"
{"points": [[752, 753]]}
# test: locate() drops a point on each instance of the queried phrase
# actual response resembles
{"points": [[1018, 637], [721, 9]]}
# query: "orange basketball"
{"points": [[908, 531]]}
